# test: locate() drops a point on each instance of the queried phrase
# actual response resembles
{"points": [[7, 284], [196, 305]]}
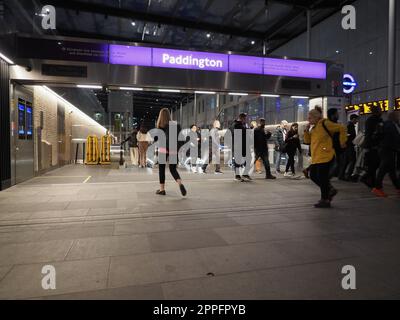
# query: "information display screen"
{"points": [[365, 108]]}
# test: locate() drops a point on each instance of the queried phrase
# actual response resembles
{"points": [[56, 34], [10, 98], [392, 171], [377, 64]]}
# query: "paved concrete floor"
{"points": [[110, 237]]}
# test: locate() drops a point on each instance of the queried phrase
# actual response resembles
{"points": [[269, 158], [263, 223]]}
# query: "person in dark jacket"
{"points": [[349, 155], [240, 124], [373, 137], [164, 124], [333, 115], [261, 147], [281, 133], [389, 147], [292, 145]]}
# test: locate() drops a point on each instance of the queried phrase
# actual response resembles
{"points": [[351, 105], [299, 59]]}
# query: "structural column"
{"points": [[5, 146], [392, 54], [180, 114], [195, 109]]}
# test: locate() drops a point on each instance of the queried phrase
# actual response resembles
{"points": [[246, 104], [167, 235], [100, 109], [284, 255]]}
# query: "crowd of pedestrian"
{"points": [[335, 150]]}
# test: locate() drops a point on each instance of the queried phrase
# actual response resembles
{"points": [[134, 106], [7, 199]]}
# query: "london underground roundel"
{"points": [[349, 84]]}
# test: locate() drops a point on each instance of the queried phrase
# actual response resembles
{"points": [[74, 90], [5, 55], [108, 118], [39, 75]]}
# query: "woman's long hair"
{"points": [[143, 129], [295, 125], [163, 119]]}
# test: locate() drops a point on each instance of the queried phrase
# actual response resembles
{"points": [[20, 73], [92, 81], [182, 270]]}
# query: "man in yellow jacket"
{"points": [[320, 139]]}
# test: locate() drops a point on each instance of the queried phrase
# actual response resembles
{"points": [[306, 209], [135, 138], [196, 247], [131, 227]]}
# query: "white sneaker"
{"points": [[288, 175]]}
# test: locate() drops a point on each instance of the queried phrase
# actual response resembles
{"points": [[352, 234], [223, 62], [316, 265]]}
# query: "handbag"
{"points": [[284, 147], [359, 139]]}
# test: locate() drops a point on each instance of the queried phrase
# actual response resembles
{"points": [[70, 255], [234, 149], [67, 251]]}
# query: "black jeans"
{"points": [[172, 169], [372, 161], [348, 164], [387, 165], [290, 163], [336, 165], [264, 158], [320, 175]]}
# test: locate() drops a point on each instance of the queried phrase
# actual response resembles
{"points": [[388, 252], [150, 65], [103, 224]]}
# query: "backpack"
{"points": [[335, 140]]}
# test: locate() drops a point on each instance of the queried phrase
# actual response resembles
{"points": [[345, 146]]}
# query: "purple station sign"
{"points": [[294, 68], [194, 60]]}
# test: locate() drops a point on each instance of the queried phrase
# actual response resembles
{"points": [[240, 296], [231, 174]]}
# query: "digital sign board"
{"points": [[365, 108], [195, 60]]}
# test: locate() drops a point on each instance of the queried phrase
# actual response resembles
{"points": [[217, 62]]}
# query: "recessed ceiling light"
{"points": [[169, 90], [208, 35], [238, 94], [133, 23], [205, 92], [253, 42], [300, 97], [130, 89], [270, 95], [84, 86]]}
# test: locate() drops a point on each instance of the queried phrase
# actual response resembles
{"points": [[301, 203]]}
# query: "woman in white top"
{"points": [[143, 138]]}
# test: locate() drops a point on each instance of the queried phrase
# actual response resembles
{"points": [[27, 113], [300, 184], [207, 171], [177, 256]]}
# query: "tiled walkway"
{"points": [[110, 237]]}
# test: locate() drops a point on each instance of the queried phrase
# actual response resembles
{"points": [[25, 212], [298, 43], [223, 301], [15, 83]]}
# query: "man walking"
{"points": [[373, 137], [389, 148], [261, 147], [240, 124], [281, 133], [333, 115], [350, 155]]}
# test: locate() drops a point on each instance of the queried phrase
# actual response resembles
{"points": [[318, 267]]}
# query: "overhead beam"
{"points": [[150, 17], [201, 16], [173, 13], [300, 31]]}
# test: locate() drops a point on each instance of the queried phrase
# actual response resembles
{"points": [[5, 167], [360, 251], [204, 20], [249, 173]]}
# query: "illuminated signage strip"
{"points": [[194, 60], [365, 108]]}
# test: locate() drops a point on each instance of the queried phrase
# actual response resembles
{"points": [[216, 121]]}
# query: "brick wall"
{"points": [[43, 101]]}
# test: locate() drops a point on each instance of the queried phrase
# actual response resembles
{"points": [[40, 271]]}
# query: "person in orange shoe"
{"points": [[389, 148]]}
